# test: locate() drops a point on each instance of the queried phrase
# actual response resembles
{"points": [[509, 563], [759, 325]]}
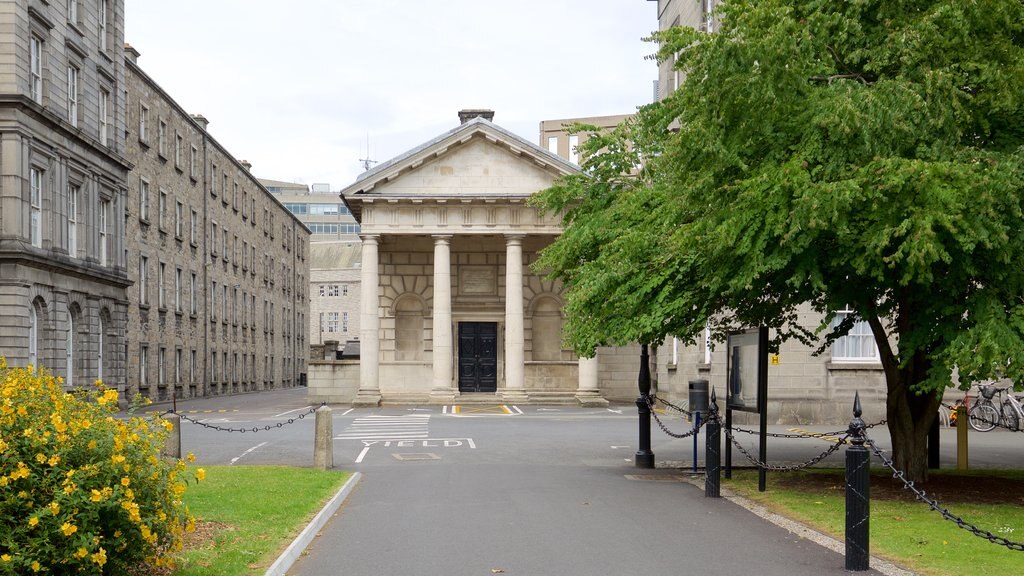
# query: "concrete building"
{"points": [[318, 208], [333, 294], [555, 136], [694, 14], [451, 310], [220, 268], [63, 173]]}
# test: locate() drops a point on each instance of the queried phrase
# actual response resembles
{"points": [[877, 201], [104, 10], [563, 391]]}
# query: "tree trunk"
{"points": [[910, 418]]}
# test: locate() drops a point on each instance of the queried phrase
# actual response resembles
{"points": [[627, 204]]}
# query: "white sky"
{"points": [[297, 87]]}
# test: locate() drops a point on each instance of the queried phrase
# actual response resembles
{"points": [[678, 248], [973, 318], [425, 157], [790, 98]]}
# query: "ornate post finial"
{"points": [[857, 430]]}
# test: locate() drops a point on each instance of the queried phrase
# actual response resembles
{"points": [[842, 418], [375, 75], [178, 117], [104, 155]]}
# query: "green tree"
{"points": [[865, 154]]}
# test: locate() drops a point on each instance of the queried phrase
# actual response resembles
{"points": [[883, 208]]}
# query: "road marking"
{"points": [[501, 410], [290, 411], [617, 447], [362, 454], [376, 427], [549, 410], [825, 437], [516, 408], [347, 411], [444, 409], [235, 459], [619, 412]]}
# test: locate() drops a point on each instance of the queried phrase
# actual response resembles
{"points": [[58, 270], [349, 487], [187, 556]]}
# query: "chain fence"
{"points": [[934, 505], [790, 467], [664, 428], [244, 430]]}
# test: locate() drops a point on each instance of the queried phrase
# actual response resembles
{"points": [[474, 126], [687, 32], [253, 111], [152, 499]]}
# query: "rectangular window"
{"points": [[143, 123], [194, 222], [104, 219], [225, 246], [161, 139], [332, 322], [177, 290], [193, 365], [143, 293], [36, 207], [213, 301], [102, 18], [73, 220], [224, 304], [177, 366], [574, 143], [213, 238], [192, 162], [144, 365], [178, 143], [553, 144], [193, 292], [344, 321], [160, 360], [104, 108], [143, 199], [213, 180], [162, 214], [179, 219], [160, 279], [858, 345], [35, 69], [73, 95]]}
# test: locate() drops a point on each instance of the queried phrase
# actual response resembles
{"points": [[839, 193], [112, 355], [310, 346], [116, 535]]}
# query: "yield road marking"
{"points": [[425, 443]]}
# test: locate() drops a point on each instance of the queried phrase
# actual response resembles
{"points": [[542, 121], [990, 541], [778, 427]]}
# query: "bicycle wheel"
{"points": [[1010, 419], [983, 417]]}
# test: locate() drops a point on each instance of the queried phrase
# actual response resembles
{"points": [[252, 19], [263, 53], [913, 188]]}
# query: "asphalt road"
{"points": [[523, 490]]}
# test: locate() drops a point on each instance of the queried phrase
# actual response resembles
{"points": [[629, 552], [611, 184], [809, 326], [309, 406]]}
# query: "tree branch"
{"points": [[863, 79]]}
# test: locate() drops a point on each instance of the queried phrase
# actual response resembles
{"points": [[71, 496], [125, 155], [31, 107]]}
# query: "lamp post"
{"points": [[644, 456]]}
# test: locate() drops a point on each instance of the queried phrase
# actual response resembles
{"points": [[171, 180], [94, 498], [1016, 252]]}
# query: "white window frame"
{"points": [[35, 68], [858, 345], [179, 219], [36, 207], [73, 194], [194, 223], [143, 292], [177, 290], [143, 365], [104, 110], [104, 219], [194, 291], [574, 143], [161, 138], [102, 24], [160, 281], [73, 73], [553, 145], [99, 349], [33, 336], [143, 199], [69, 380], [162, 207], [160, 363]]}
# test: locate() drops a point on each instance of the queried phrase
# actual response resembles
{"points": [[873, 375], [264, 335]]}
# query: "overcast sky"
{"points": [[297, 87]]}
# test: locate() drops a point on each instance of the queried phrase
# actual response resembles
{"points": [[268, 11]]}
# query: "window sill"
{"points": [[852, 365], [143, 305]]}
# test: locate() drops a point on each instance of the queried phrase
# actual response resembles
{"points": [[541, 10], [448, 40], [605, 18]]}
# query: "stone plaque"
{"points": [[478, 280]]}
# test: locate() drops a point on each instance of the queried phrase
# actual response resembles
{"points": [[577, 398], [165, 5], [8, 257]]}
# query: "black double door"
{"points": [[478, 357]]}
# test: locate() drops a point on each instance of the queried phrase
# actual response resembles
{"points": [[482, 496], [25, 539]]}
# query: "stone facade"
{"points": [[63, 168], [220, 303], [334, 292]]}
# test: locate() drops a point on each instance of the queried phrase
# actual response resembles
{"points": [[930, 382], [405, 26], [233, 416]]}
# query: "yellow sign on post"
{"points": [[774, 359]]}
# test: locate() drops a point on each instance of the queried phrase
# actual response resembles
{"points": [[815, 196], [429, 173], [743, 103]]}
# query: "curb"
{"points": [[879, 565], [288, 558]]}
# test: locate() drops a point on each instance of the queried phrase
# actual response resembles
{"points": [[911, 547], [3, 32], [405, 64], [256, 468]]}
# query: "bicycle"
{"points": [[1013, 412], [984, 416]]}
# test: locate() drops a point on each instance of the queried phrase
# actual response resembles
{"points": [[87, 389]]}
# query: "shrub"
{"points": [[83, 492]]}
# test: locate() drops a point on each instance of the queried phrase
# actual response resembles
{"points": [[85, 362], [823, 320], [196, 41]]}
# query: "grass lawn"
{"points": [[247, 516], [904, 530]]}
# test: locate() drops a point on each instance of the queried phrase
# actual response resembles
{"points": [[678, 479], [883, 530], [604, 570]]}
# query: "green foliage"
{"points": [[82, 492]]}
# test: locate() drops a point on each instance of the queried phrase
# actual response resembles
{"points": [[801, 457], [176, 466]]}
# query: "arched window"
{"points": [[33, 336], [70, 343], [547, 329], [99, 346], [409, 328]]}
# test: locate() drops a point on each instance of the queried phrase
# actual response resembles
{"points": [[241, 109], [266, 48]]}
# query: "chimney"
{"points": [[201, 120], [131, 53], [247, 165], [468, 114]]}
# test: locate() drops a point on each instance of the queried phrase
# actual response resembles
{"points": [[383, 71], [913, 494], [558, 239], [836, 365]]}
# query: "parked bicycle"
{"points": [[984, 415], [1013, 411]]}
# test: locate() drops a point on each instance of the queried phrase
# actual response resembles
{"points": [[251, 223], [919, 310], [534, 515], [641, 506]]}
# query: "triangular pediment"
{"points": [[476, 159]]}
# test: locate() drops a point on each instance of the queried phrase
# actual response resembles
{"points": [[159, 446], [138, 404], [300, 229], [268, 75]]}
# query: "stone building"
{"points": [[555, 136], [220, 268], [451, 309], [63, 169], [333, 294]]}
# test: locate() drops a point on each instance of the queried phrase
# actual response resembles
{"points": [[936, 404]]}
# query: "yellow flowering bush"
{"points": [[81, 491]]}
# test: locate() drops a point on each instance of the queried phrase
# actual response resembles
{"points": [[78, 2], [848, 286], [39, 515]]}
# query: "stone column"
{"points": [[441, 391], [514, 341], [588, 393], [369, 326]]}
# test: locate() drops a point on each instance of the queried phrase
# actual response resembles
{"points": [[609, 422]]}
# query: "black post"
{"points": [[728, 444], [644, 456], [858, 501], [933, 445], [712, 452], [762, 404]]}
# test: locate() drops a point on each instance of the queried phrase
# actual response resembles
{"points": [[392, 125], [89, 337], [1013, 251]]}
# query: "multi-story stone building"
{"points": [[220, 267], [63, 168]]}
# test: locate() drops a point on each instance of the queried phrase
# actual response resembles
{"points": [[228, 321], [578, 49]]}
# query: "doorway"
{"points": [[478, 356]]}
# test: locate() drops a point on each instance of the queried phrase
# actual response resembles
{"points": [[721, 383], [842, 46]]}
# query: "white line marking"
{"points": [[617, 447], [619, 412], [516, 408], [347, 411], [235, 459], [444, 409], [548, 410], [361, 454], [290, 411]]}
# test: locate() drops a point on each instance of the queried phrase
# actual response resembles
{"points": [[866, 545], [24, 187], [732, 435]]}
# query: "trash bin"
{"points": [[699, 396]]}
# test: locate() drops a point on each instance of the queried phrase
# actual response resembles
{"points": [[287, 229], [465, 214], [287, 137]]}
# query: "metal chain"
{"points": [[679, 409], [791, 468], [244, 430], [665, 429], [821, 435], [922, 496]]}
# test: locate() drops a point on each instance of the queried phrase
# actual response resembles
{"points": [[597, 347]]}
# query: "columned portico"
{"points": [[441, 390], [515, 354], [369, 327]]}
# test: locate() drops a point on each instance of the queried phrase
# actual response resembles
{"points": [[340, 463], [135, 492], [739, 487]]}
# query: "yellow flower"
{"points": [[33, 521], [54, 460], [92, 444], [68, 529], [100, 557], [191, 457], [35, 566], [6, 557], [167, 424], [117, 458], [81, 553], [200, 474], [125, 481], [54, 508], [40, 457], [97, 496]]}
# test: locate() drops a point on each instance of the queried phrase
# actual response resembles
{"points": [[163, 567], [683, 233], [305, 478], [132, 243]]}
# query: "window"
{"points": [[35, 69], [177, 366], [224, 304], [161, 139], [324, 209], [143, 123], [104, 118], [193, 365], [344, 321], [194, 222], [160, 279], [213, 301], [553, 144], [104, 218], [162, 214], [33, 335], [178, 143], [143, 365], [177, 290], [192, 164], [234, 197], [73, 220], [143, 293], [344, 289], [213, 238], [73, 11], [143, 199], [322, 228], [213, 180], [193, 292], [73, 95], [160, 360], [332, 322], [102, 19], [225, 247], [574, 142], [859, 343], [179, 219], [69, 379], [99, 348], [36, 207]]}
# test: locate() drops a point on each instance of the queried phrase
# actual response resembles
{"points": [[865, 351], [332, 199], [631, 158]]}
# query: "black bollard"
{"points": [[644, 455], [858, 501], [712, 452]]}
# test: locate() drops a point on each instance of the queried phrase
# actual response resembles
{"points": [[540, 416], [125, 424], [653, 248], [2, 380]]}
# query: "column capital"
{"points": [[514, 239], [441, 238], [370, 238]]}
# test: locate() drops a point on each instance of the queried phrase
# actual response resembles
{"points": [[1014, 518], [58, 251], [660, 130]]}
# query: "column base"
{"points": [[367, 399], [515, 396], [442, 396], [591, 399]]}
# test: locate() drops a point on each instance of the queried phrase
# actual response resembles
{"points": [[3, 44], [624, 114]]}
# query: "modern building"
{"points": [[63, 174], [451, 309], [318, 208], [220, 268], [556, 138]]}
